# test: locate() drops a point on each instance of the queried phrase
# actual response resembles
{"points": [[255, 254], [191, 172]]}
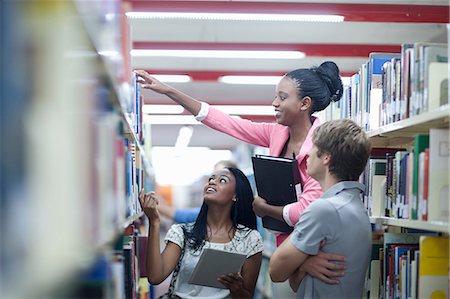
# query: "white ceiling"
{"points": [[327, 41]]}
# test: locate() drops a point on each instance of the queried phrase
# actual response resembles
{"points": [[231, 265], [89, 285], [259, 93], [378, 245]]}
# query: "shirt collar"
{"points": [[335, 189]]}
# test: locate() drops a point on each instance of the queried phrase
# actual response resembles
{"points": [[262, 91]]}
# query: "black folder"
{"points": [[276, 179]]}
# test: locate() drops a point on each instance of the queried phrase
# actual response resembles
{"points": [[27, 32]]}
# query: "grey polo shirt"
{"points": [[339, 217]]}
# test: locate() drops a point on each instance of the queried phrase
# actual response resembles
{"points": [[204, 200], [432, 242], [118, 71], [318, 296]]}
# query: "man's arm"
{"points": [[296, 278], [285, 261], [325, 267]]}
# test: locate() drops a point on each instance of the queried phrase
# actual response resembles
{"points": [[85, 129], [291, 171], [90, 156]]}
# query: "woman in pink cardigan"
{"points": [[299, 94]]}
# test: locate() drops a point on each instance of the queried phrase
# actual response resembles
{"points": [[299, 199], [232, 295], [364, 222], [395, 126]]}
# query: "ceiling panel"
{"points": [[379, 25], [284, 32]]}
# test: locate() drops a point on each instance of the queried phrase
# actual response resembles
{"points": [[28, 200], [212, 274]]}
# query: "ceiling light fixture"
{"points": [[246, 109], [263, 110], [262, 80], [257, 80], [237, 17], [244, 54], [184, 137], [170, 120], [162, 109], [173, 78]]}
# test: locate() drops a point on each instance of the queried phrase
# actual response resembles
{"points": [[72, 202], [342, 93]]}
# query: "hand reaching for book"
{"points": [[150, 82], [148, 202]]}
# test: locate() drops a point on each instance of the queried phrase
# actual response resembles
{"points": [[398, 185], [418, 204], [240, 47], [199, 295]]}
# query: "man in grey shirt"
{"points": [[337, 222]]}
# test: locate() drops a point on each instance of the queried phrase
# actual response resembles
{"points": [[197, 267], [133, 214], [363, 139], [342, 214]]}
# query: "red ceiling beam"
{"points": [[322, 50], [351, 12], [214, 75]]}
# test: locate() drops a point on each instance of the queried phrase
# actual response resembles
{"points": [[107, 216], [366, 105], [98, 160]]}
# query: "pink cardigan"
{"points": [[273, 136]]}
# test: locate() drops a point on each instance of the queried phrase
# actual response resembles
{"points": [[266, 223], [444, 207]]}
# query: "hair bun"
{"points": [[329, 72]]}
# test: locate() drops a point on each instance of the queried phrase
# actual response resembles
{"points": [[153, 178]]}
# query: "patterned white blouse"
{"points": [[245, 241]]}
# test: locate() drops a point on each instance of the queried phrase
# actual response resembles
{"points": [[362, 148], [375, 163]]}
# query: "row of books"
{"points": [[410, 183], [408, 265], [393, 86], [117, 172], [414, 81], [117, 274]]}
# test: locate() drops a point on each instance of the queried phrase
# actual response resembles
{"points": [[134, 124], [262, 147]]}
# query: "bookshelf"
{"points": [[405, 190], [402, 132], [402, 102], [81, 151]]}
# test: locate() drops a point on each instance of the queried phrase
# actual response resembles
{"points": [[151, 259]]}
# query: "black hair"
{"points": [[322, 84], [241, 212]]}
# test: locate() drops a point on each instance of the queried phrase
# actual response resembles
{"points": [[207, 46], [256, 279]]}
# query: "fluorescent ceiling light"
{"points": [[173, 78], [162, 109], [246, 109], [170, 120], [261, 80], [230, 109], [109, 53], [220, 54], [236, 16], [184, 137]]}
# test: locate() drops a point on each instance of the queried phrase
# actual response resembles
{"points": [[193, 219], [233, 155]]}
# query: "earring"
{"points": [[234, 199]]}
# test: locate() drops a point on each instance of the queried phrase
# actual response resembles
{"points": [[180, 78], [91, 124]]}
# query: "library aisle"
{"points": [[80, 138]]}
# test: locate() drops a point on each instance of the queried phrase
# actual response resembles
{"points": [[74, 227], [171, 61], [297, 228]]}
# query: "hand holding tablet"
{"points": [[214, 263]]}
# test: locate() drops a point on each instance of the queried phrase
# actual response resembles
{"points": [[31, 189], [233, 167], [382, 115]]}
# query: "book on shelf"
{"points": [[377, 179], [414, 274], [438, 188], [436, 87], [433, 267], [372, 287], [214, 263], [405, 78], [399, 288], [421, 142], [375, 74], [278, 182], [435, 54], [390, 242], [423, 54], [422, 190]]}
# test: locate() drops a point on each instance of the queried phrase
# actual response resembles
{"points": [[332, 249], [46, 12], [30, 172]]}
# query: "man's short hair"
{"points": [[348, 146]]}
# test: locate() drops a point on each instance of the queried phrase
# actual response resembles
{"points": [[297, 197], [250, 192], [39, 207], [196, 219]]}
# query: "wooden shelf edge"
{"points": [[438, 114], [415, 224]]}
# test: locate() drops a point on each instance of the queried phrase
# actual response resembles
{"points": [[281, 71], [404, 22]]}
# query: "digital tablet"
{"points": [[214, 263]]}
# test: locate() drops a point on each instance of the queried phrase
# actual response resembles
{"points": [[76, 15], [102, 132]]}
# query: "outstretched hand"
{"points": [[150, 82], [148, 202]]}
